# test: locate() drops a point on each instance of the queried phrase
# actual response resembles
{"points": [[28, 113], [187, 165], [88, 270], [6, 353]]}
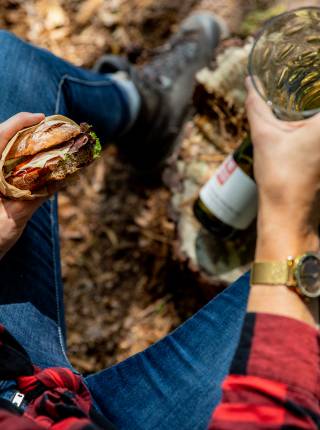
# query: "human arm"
{"points": [[273, 380], [14, 215]]}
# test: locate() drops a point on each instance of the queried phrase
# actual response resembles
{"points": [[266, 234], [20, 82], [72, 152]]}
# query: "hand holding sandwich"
{"points": [[14, 215], [38, 155]]}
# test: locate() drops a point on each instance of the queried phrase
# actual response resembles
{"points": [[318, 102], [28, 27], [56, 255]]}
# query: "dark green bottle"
{"points": [[228, 201]]}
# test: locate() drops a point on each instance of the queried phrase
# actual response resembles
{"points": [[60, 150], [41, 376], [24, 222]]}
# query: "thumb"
{"points": [[257, 109], [16, 123]]}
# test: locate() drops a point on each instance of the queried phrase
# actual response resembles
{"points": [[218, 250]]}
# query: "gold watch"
{"points": [[301, 273]]}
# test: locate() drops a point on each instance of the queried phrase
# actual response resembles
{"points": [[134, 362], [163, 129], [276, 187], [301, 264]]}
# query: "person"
{"points": [[265, 336]]}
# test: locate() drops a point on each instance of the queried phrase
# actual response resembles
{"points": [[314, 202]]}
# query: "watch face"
{"points": [[308, 275]]}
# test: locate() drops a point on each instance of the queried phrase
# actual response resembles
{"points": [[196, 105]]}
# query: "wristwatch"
{"points": [[301, 274]]}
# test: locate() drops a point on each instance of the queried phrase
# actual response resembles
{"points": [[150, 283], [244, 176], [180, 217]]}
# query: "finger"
{"points": [[257, 109], [27, 206], [16, 123], [33, 205], [21, 211]]}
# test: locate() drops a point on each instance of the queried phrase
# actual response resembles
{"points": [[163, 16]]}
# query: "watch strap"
{"points": [[272, 273]]}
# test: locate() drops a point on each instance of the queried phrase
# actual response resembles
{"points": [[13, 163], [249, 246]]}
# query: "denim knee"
{"points": [[26, 77], [10, 49], [23, 60], [8, 40]]}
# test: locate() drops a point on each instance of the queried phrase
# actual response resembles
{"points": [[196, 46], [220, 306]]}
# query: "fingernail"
{"points": [[39, 113]]}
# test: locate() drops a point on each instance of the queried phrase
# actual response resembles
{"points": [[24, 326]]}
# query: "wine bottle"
{"points": [[228, 201]]}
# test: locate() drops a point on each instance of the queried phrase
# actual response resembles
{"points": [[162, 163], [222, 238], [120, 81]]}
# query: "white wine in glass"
{"points": [[284, 66]]}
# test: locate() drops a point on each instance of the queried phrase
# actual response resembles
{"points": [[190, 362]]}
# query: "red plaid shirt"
{"points": [[273, 384], [55, 398]]}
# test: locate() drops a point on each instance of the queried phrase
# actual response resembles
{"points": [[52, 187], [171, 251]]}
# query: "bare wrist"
{"points": [[284, 233], [280, 300]]}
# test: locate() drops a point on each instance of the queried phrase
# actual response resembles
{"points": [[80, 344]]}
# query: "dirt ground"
{"points": [[123, 289]]}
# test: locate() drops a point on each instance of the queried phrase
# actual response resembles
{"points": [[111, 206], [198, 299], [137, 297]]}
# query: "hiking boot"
{"points": [[112, 64], [166, 86]]}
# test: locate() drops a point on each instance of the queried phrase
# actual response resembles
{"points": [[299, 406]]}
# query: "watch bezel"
{"points": [[299, 262]]}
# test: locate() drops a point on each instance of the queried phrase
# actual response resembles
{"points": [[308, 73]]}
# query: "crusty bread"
{"points": [[56, 171], [48, 134]]}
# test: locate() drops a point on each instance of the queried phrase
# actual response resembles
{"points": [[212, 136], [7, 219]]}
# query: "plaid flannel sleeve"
{"points": [[274, 381]]}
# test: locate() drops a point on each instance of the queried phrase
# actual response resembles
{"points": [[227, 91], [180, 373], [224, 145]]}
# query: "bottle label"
{"points": [[231, 195]]}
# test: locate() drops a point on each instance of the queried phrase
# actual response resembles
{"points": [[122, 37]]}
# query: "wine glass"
{"points": [[284, 63]]}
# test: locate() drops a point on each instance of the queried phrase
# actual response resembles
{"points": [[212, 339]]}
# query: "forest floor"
{"points": [[123, 289]]}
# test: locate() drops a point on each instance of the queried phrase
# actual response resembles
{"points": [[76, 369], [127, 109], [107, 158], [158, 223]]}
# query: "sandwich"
{"points": [[46, 155]]}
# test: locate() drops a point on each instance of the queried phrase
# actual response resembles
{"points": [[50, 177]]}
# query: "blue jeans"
{"points": [[174, 384]]}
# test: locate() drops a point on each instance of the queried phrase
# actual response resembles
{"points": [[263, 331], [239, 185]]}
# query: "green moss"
{"points": [[97, 147], [255, 19]]}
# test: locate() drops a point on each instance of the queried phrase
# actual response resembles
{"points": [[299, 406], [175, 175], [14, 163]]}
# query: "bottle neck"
{"points": [[243, 156]]}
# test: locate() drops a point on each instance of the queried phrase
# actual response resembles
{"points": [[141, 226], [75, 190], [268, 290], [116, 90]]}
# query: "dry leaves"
{"points": [[123, 288]]}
